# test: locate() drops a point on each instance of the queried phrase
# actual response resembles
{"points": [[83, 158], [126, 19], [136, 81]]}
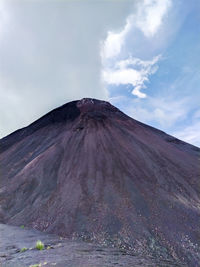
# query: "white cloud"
{"points": [[150, 15], [148, 19], [111, 47], [132, 71]]}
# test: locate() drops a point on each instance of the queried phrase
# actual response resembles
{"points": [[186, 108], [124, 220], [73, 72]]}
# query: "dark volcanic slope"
{"points": [[86, 170]]}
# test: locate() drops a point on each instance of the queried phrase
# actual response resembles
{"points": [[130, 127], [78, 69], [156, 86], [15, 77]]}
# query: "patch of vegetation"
{"points": [[23, 249], [39, 245], [22, 226], [38, 265]]}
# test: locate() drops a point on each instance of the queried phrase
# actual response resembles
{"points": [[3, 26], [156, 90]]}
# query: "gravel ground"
{"points": [[62, 252]]}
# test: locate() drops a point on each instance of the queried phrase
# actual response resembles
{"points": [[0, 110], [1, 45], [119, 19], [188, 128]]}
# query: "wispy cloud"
{"points": [[133, 71], [162, 111]]}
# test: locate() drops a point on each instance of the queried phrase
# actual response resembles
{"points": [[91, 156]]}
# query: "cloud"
{"points": [[123, 69], [132, 71], [50, 54], [148, 19], [150, 16], [111, 47]]}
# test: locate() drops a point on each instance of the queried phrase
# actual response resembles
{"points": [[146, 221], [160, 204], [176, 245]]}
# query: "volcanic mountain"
{"points": [[86, 170]]}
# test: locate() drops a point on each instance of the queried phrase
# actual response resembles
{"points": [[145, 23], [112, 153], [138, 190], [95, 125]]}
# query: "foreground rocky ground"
{"points": [[62, 252]]}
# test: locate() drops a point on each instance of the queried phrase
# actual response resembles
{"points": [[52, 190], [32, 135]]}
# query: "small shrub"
{"points": [[39, 245], [23, 249], [22, 226]]}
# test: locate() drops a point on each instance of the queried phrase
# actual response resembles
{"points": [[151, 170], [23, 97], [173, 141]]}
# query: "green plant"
{"points": [[23, 249], [22, 226], [35, 265], [39, 245]]}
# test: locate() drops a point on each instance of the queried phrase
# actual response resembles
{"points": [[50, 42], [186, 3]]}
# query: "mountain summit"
{"points": [[87, 171]]}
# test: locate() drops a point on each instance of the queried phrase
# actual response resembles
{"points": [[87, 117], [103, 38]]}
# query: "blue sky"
{"points": [[159, 53], [141, 55]]}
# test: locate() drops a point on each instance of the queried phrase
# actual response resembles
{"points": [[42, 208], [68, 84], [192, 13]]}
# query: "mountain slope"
{"points": [[86, 170]]}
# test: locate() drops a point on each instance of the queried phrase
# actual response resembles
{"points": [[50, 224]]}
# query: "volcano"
{"points": [[87, 171]]}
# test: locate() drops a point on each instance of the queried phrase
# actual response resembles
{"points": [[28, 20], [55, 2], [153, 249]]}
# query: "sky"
{"points": [[143, 56]]}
